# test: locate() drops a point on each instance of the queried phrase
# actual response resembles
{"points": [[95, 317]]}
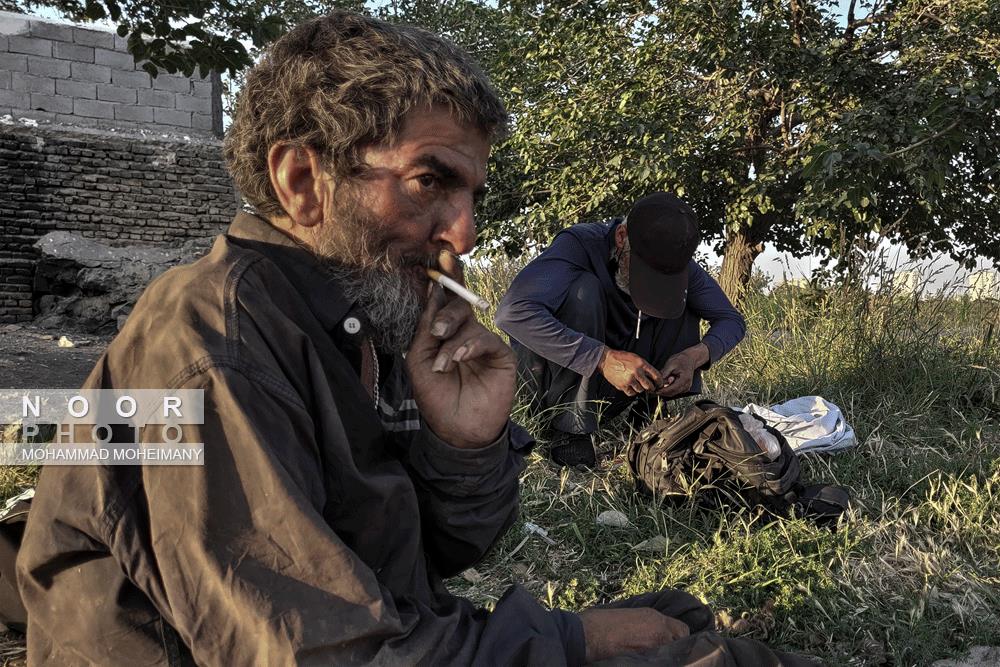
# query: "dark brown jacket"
{"points": [[318, 528]]}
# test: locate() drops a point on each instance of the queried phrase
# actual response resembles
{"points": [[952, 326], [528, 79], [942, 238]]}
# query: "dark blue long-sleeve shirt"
{"points": [[527, 311]]}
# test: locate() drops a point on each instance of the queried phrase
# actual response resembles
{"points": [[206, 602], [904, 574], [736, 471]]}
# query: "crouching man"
{"points": [[611, 312], [341, 481]]}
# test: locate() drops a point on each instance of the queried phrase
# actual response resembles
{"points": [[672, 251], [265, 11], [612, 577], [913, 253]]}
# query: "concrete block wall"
{"points": [[60, 73], [91, 144]]}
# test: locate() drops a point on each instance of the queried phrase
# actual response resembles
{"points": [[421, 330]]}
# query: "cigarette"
{"points": [[459, 289]]}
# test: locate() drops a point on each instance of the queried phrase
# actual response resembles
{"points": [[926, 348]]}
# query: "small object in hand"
{"points": [[458, 288]]}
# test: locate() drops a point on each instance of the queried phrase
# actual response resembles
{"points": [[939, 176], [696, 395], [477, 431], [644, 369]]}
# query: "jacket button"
{"points": [[352, 325]]}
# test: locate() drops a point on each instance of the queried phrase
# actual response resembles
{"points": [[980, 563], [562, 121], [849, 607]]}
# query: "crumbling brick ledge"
{"points": [[122, 187]]}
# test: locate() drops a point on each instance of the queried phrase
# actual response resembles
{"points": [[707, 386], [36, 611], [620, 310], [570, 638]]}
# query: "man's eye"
{"points": [[427, 180]]}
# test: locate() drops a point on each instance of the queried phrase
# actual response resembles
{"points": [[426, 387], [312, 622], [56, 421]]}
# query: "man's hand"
{"points": [[628, 373], [678, 373], [463, 375], [613, 632]]}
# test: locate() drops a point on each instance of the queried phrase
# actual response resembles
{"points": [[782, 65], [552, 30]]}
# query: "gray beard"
{"points": [[378, 282], [389, 301], [621, 279]]}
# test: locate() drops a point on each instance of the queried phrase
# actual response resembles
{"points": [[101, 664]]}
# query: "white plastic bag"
{"points": [[761, 436]]}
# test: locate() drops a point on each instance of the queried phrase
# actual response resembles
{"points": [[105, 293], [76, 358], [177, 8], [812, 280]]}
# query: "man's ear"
{"points": [[621, 234], [298, 179]]}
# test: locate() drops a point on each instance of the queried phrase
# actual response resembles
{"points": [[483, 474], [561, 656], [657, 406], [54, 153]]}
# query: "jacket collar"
{"points": [[322, 294]]}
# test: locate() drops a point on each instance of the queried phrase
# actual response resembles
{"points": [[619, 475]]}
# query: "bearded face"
{"points": [[621, 272], [390, 287], [406, 203]]}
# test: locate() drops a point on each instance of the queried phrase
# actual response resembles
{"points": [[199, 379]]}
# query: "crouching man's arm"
{"points": [[707, 300], [527, 312]]}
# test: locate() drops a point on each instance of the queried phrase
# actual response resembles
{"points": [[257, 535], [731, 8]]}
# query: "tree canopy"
{"points": [[780, 121], [180, 35]]}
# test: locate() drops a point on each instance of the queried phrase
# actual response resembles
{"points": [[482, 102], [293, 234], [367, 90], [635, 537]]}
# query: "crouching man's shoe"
{"points": [[572, 449]]}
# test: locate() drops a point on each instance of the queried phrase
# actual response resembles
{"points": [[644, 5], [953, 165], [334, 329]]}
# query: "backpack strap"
{"points": [[823, 503]]}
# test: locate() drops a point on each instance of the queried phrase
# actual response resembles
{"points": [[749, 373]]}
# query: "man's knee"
{"points": [[530, 366]]}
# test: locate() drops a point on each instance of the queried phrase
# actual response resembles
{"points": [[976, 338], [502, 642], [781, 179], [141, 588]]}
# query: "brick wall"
{"points": [[91, 144], [60, 73], [101, 185]]}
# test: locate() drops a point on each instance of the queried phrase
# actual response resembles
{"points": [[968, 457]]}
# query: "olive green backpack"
{"points": [[706, 452]]}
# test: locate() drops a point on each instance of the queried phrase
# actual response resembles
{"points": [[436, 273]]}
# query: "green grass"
{"points": [[913, 572], [911, 575], [14, 479]]}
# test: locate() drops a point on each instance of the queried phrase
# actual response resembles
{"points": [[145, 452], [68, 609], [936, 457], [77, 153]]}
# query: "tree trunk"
{"points": [[737, 263]]}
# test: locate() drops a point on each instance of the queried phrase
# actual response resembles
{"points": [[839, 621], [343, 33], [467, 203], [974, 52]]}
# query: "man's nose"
{"points": [[457, 231]]}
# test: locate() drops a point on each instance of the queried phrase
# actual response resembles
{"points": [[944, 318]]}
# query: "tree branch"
{"points": [[849, 30], [796, 22], [871, 19], [923, 141], [875, 15]]}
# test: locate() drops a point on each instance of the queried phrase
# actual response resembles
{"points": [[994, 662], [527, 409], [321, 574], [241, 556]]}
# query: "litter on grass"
{"points": [[613, 519]]}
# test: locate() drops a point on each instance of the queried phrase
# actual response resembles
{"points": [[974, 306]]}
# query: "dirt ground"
{"points": [[30, 358]]}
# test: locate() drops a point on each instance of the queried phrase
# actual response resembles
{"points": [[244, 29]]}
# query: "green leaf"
{"points": [[94, 11]]}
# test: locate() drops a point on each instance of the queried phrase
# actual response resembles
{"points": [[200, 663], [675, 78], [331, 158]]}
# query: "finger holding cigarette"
{"points": [[458, 289], [449, 334], [459, 367]]}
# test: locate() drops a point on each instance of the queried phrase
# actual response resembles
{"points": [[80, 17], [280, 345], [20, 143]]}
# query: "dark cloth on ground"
{"points": [[318, 529], [564, 307]]}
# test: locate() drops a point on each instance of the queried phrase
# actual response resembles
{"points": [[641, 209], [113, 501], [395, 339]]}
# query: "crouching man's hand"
{"points": [[678, 373], [463, 375], [628, 373], [613, 632]]}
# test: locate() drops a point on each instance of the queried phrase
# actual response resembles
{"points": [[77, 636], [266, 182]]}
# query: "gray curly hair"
{"points": [[341, 82]]}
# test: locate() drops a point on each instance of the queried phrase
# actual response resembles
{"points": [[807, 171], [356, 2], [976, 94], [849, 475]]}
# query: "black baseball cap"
{"points": [[663, 235]]}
